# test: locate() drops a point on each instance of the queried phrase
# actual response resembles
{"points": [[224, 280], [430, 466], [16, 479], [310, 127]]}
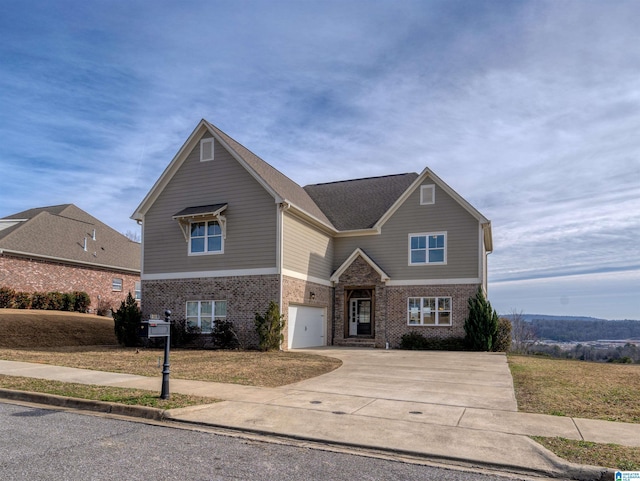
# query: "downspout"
{"points": [[282, 207]]}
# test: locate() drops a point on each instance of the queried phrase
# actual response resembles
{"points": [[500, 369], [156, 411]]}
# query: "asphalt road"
{"points": [[45, 444]]}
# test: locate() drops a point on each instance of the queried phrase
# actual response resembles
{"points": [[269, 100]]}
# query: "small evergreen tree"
{"points": [[127, 321], [270, 328], [502, 341], [481, 324]]}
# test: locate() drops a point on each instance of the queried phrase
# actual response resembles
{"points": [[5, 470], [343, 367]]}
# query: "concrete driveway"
{"points": [[461, 379]]}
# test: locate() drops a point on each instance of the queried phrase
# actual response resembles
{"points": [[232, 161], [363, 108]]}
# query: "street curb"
{"points": [[566, 470], [84, 404]]}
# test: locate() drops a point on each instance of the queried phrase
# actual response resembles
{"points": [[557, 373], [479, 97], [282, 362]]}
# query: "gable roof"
{"points": [[59, 232], [281, 187], [335, 277], [367, 199]]}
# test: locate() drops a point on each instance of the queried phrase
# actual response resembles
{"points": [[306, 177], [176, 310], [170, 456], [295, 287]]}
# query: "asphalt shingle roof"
{"points": [[60, 232], [359, 203]]}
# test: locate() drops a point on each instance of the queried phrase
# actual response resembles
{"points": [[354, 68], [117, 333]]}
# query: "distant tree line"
{"points": [[627, 354], [582, 331]]}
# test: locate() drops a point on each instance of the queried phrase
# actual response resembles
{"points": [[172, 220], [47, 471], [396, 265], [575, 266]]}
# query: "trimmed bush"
{"points": [[83, 301], [56, 301], [22, 300], [40, 300], [7, 297], [413, 341], [182, 334], [417, 342], [68, 301]]}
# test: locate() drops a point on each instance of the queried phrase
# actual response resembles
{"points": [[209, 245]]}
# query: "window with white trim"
{"points": [[428, 248], [138, 290], [116, 284], [205, 238], [427, 194], [429, 311], [204, 314], [206, 149]]}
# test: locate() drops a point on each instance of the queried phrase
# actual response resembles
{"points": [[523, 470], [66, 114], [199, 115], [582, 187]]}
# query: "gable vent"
{"points": [[206, 149]]}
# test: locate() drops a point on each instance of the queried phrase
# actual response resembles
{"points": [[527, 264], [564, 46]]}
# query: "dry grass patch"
{"points": [[33, 328], [611, 456], [252, 368], [577, 388], [134, 397]]}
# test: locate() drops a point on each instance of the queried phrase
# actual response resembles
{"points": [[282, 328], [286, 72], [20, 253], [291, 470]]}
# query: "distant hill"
{"points": [[580, 328]]}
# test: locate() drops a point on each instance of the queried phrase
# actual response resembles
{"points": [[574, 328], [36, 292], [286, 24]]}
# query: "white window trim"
{"points": [[437, 324], [427, 194], [204, 142], [206, 240], [213, 313], [427, 263], [138, 290], [114, 284]]}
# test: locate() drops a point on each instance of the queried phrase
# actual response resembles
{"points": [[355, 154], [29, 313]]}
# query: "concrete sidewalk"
{"points": [[453, 407]]}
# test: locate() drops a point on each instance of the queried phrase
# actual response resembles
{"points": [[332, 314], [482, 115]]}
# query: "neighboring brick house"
{"points": [[62, 248], [359, 261]]}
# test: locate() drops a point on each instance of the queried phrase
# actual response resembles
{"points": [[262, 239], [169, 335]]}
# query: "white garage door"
{"points": [[306, 327]]}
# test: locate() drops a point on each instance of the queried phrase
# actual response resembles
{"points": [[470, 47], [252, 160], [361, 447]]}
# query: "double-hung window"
{"points": [[203, 314], [428, 248], [429, 311], [206, 238]]}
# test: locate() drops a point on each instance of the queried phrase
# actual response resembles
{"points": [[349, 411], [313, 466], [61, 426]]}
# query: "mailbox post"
{"points": [[154, 328], [164, 394]]}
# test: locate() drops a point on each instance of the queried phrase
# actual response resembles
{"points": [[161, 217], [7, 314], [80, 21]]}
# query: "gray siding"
{"points": [[306, 249], [251, 217], [390, 249]]}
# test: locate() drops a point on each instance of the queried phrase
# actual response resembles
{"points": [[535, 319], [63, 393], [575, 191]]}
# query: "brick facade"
{"points": [[297, 291], [245, 297], [390, 305], [34, 275]]}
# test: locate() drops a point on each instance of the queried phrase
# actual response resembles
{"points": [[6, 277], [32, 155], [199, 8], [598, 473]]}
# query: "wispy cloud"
{"points": [[530, 110]]}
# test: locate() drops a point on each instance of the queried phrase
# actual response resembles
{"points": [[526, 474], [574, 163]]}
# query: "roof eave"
{"points": [[68, 261]]}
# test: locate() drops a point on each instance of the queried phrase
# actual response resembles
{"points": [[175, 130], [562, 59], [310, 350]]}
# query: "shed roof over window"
{"points": [[200, 211]]}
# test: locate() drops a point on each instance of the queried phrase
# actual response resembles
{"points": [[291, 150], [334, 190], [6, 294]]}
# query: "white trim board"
{"points": [[162, 276]]}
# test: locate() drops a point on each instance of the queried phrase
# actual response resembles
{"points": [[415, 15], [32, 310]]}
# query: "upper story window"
{"points": [[138, 289], [206, 149], [427, 194], [116, 284], [206, 238], [428, 248]]}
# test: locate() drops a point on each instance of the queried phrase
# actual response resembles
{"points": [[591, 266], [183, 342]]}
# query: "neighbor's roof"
{"points": [[59, 232], [360, 203]]}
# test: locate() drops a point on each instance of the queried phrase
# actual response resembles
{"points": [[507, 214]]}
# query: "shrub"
{"points": [[481, 323], [127, 322], [39, 300], [22, 300], [502, 342], [83, 301], [270, 328], [183, 334], [104, 308], [7, 296], [224, 335], [68, 301], [417, 342], [55, 301], [413, 341]]}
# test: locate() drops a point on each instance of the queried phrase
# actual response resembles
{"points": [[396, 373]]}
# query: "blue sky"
{"points": [[530, 110]]}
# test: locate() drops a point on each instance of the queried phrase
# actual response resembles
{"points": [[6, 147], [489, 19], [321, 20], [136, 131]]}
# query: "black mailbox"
{"points": [[154, 328]]}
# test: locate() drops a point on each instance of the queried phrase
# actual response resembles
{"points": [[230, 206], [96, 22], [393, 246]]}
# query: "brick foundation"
{"points": [[244, 295], [32, 275]]}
